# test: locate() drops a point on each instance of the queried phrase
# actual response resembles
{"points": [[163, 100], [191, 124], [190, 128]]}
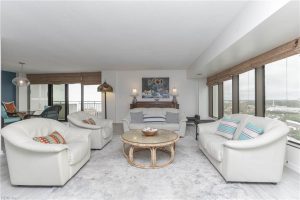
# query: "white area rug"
{"points": [[108, 176]]}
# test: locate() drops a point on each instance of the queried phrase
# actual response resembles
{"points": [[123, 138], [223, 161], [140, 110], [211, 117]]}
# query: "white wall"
{"points": [[203, 98], [293, 157], [124, 81]]}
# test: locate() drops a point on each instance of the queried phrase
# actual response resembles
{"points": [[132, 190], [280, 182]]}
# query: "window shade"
{"points": [[283, 51], [86, 78]]}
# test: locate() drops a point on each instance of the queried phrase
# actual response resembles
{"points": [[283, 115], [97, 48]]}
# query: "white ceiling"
{"points": [[89, 36], [281, 27]]}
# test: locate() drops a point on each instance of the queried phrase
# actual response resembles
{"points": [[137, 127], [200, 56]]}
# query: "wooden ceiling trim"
{"points": [[278, 53]]}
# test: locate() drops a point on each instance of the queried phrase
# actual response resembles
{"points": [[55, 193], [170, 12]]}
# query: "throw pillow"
{"points": [[154, 118], [10, 107], [250, 131], [172, 117], [53, 138], [136, 117], [227, 127], [89, 121]]}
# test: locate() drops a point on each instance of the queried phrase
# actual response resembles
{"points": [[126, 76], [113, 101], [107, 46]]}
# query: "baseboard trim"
{"points": [[293, 167]]}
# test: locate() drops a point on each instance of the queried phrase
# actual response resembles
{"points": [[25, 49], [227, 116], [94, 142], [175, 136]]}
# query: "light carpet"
{"points": [[107, 175]]}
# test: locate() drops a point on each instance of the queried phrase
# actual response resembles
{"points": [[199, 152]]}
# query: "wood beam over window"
{"points": [[283, 51]]}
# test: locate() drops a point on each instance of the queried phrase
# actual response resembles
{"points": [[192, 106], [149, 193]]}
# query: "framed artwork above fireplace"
{"points": [[155, 87]]}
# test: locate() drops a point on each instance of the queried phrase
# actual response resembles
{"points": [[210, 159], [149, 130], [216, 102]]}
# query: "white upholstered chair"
{"points": [[101, 133], [255, 160], [34, 163]]}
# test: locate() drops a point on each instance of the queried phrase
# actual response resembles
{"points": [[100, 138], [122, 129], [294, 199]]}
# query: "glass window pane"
{"points": [[59, 99], [215, 101], [247, 92], [74, 97], [283, 93], [38, 97], [92, 100], [227, 89]]}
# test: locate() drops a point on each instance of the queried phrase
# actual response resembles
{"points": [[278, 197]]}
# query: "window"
{"points": [[59, 99], [227, 90], [247, 92], [215, 101], [92, 100], [282, 99], [38, 97], [74, 97]]}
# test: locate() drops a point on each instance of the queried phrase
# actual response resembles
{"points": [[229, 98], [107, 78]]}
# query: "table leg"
{"points": [[196, 131], [131, 149], [153, 156]]}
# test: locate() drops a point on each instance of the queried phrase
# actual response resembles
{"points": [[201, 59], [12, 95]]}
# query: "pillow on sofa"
{"points": [[250, 131], [53, 138], [172, 117], [137, 117], [227, 127], [10, 107], [154, 118]]}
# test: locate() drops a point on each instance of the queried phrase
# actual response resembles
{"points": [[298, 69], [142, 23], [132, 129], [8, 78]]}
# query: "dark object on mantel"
{"points": [[154, 104]]}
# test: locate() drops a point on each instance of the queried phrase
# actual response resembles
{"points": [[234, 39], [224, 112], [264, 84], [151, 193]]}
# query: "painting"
{"points": [[155, 87]]}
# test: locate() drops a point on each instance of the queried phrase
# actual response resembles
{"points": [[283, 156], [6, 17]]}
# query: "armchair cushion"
{"points": [[53, 138], [250, 131]]}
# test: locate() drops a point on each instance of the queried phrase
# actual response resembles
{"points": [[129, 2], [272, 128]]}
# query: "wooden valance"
{"points": [[86, 78], [154, 104], [281, 52]]}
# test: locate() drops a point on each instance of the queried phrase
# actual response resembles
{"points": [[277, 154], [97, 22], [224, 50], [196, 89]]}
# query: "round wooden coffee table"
{"points": [[134, 141]]}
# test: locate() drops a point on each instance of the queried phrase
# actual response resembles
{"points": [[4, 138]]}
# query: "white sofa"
{"points": [[101, 133], [34, 163], [256, 160], [179, 127]]}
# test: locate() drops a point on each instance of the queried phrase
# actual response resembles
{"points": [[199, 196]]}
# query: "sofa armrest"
{"points": [[35, 146], [83, 125], [103, 123], [126, 121], [208, 127], [77, 134], [277, 133]]}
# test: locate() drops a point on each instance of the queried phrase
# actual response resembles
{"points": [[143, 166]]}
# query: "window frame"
{"points": [[50, 98]]}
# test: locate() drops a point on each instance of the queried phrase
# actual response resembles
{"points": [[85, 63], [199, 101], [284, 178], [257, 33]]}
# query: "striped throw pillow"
{"points": [[53, 138], [250, 131], [154, 118], [227, 127]]}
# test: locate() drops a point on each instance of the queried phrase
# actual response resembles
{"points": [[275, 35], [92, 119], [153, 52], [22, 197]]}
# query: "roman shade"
{"points": [[283, 51], [86, 78]]}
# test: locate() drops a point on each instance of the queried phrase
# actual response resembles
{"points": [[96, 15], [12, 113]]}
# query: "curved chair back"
{"points": [[51, 112]]}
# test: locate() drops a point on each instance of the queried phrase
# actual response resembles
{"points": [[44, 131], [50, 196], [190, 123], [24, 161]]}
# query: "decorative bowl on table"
{"points": [[149, 131]]}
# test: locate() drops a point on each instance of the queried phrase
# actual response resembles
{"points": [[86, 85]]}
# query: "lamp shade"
{"points": [[104, 87], [134, 93], [21, 80]]}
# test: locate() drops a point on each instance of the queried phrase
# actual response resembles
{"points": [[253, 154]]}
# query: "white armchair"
{"points": [[255, 160], [101, 133], [34, 163]]}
